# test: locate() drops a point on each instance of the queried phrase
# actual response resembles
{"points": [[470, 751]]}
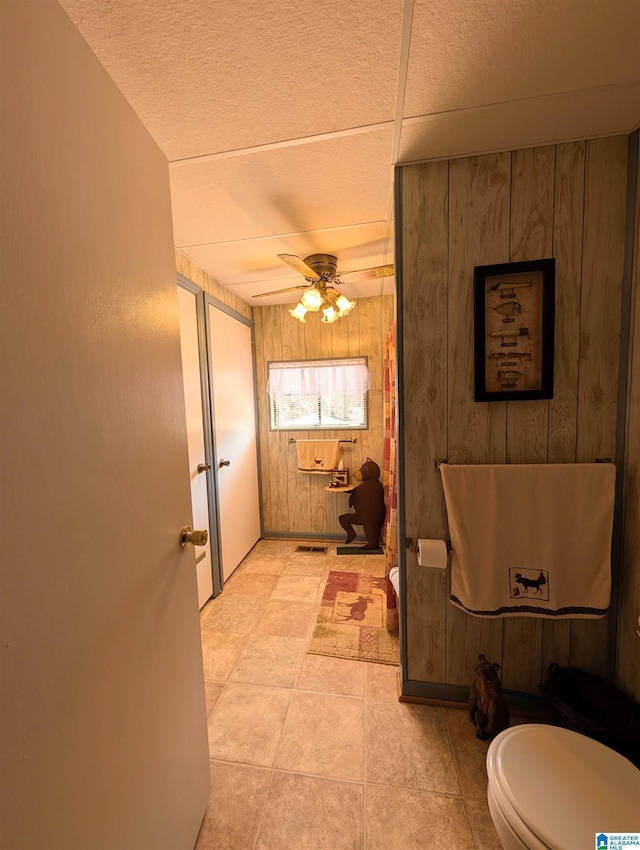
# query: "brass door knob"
{"points": [[224, 463], [197, 538], [204, 467]]}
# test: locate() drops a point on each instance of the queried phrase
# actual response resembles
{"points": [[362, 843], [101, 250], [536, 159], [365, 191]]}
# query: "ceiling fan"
{"points": [[320, 272]]}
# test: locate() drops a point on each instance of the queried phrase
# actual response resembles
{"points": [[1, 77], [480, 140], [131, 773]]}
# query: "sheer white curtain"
{"points": [[327, 377]]}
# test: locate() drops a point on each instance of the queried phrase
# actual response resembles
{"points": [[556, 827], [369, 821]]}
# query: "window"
{"points": [[305, 394]]}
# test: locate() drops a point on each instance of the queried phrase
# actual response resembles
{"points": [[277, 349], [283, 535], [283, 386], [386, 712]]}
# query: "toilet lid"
{"points": [[563, 786]]}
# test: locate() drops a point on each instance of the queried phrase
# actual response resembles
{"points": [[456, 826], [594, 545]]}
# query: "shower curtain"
{"points": [[389, 474]]}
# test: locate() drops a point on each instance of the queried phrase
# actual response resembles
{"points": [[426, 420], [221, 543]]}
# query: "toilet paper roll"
{"points": [[432, 553]]}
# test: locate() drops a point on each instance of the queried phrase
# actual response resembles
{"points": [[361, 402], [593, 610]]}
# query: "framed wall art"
{"points": [[514, 330]]}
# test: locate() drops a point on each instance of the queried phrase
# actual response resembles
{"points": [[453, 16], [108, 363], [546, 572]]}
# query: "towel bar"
{"points": [[437, 462], [353, 440]]}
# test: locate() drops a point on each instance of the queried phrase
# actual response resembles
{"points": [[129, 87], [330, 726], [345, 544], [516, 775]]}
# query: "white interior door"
{"points": [[234, 426], [104, 728], [198, 466]]}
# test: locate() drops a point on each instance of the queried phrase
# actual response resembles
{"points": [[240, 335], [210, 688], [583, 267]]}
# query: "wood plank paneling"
{"points": [[567, 202], [340, 338], [426, 612], [263, 433], [602, 270], [425, 248], [567, 249], [531, 227], [479, 202], [193, 272], [298, 486], [372, 345], [295, 502], [563, 407], [478, 234], [313, 333], [531, 238], [274, 476], [354, 457]]}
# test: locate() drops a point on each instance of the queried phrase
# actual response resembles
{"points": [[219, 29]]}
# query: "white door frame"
{"points": [[209, 450], [209, 300]]}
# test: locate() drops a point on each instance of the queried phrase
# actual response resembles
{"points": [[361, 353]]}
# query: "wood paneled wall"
{"points": [[293, 502], [565, 201], [193, 272], [628, 673]]}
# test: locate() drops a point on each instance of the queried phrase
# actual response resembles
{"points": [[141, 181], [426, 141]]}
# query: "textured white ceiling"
{"points": [[282, 121]]}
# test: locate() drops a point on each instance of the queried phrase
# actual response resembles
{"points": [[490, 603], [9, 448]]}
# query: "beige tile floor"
{"points": [[316, 753]]}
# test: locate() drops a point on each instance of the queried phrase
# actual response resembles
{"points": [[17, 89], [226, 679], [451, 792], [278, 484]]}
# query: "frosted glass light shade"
{"points": [[344, 305], [330, 315], [312, 300], [298, 312]]}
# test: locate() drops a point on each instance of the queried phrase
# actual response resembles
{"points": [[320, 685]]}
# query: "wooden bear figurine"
{"points": [[367, 501], [488, 710]]}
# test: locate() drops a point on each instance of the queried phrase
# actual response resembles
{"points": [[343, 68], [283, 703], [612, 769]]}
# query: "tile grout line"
{"points": [[459, 777], [473, 832], [277, 749], [264, 807], [453, 750], [310, 628]]}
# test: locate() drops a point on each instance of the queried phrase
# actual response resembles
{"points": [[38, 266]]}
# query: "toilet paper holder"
{"points": [[413, 545]]}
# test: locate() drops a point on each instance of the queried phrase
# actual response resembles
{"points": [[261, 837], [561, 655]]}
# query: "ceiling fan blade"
{"points": [[365, 274], [299, 265], [278, 291]]}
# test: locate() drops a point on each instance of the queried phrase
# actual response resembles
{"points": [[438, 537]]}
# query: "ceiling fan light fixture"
{"points": [[320, 271], [330, 314], [344, 305], [312, 300], [298, 312]]}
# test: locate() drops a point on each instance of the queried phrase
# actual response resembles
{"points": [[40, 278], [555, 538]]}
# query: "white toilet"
{"points": [[553, 789]]}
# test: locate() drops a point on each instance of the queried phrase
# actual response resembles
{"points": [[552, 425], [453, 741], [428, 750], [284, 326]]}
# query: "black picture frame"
{"points": [[514, 311]]}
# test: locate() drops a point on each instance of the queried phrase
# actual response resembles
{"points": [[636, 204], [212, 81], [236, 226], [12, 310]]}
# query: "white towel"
{"points": [[317, 456], [530, 540]]}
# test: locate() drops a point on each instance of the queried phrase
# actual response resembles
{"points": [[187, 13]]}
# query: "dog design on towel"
{"points": [[529, 583]]}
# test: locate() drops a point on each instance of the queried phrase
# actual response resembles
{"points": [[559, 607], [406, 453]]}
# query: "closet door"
{"points": [[200, 467], [232, 379]]}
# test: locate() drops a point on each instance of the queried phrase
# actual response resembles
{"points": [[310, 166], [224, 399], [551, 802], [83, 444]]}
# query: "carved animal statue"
{"points": [[488, 710], [367, 501], [358, 609], [531, 582]]}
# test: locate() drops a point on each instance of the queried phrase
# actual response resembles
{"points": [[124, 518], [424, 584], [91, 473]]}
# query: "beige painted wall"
{"points": [[628, 673], [291, 500], [567, 202]]}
